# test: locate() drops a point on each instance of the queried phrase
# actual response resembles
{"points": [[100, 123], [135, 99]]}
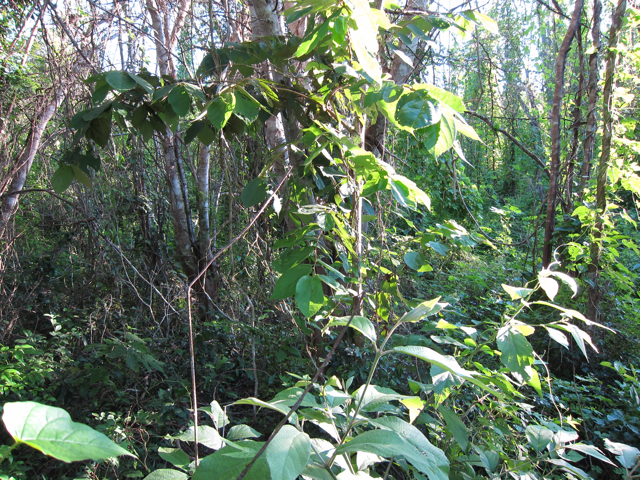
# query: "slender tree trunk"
{"points": [[547, 253], [25, 159], [592, 88], [577, 117], [603, 164]]}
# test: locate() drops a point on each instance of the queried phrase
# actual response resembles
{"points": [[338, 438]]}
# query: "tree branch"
{"points": [[537, 159]]}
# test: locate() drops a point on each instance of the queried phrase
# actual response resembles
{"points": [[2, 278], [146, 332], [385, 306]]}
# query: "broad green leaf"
{"points": [[238, 432], [443, 96], [390, 444], [207, 436], [418, 110], [51, 430], [627, 456], [568, 467], [146, 86], [179, 100], [314, 39], [595, 452], [375, 398], [366, 59], [228, 462], [175, 457], [291, 257], [120, 81], [220, 110], [558, 336], [437, 460], [246, 106], [166, 474], [456, 427], [446, 135], [254, 193], [438, 247], [567, 280], [539, 437], [286, 284], [407, 192], [463, 128], [309, 296], [425, 309], [361, 324], [100, 130], [82, 177], [415, 261], [534, 380], [446, 363], [260, 403], [550, 286], [288, 453], [62, 178], [218, 415], [517, 352], [517, 292]]}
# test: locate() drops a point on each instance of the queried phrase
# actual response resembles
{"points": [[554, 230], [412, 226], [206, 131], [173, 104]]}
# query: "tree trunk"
{"points": [[592, 88], [547, 253], [603, 164], [24, 161]]}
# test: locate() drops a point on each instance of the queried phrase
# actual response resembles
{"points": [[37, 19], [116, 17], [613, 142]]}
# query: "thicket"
{"points": [[325, 240]]}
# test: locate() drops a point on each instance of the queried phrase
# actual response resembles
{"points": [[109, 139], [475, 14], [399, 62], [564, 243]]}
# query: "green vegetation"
{"points": [[319, 240]]}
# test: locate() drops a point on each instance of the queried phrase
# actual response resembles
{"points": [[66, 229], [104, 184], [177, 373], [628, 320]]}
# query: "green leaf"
{"points": [[438, 247], [286, 284], [517, 292], [219, 417], [146, 86], [254, 193], [207, 436], [539, 437], [418, 110], [438, 464], [221, 110], [175, 457], [62, 178], [229, 462], [179, 100], [51, 430], [627, 456], [415, 261], [100, 130], [390, 444], [288, 453], [443, 96], [278, 406], [517, 352], [558, 336], [246, 106], [595, 452], [82, 177], [313, 40], [361, 324], [238, 432], [425, 309], [456, 427], [166, 474], [120, 81], [550, 286], [446, 135], [309, 296]]}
